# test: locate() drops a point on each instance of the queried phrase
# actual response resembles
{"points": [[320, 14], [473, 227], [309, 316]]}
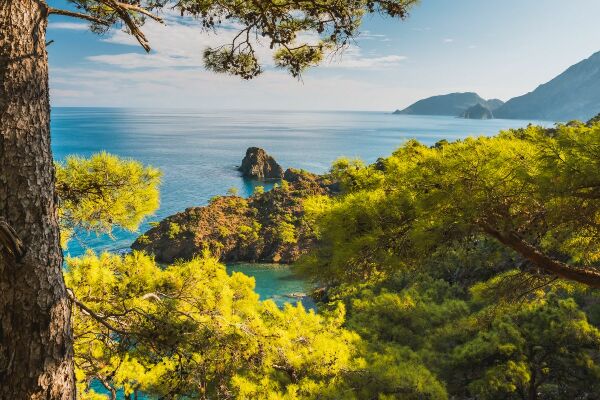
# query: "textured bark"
{"points": [[36, 345]]}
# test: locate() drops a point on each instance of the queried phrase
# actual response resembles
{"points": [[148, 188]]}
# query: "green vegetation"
{"points": [[192, 330], [533, 190], [258, 190], [104, 191], [477, 257], [465, 270]]}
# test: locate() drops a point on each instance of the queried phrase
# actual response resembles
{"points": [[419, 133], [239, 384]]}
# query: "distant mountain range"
{"points": [[574, 94], [449, 104]]}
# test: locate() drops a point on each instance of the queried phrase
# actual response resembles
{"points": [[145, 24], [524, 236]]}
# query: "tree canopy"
{"points": [[534, 190], [424, 297], [300, 32], [104, 191], [192, 330]]}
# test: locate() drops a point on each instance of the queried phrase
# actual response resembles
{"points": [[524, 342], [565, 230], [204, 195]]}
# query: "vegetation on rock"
{"points": [[268, 227]]}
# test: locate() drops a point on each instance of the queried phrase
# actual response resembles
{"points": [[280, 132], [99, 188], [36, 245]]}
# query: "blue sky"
{"points": [[497, 48]]}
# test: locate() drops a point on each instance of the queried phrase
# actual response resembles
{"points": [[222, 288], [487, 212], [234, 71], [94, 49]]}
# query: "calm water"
{"points": [[198, 152]]}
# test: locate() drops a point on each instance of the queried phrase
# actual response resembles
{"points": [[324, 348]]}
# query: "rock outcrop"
{"points": [[257, 164], [267, 227], [478, 111]]}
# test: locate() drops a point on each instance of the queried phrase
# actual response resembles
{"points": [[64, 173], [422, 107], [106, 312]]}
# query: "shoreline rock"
{"points": [[257, 164], [267, 227]]}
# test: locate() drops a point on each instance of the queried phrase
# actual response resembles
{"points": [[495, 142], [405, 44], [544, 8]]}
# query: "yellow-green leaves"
{"points": [[104, 191], [537, 187], [194, 330]]}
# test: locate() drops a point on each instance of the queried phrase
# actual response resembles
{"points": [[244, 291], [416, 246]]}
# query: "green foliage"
{"points": [[174, 230], [103, 191], [192, 330], [476, 348], [430, 248], [233, 191], [422, 258], [533, 189], [546, 347], [286, 232], [259, 190]]}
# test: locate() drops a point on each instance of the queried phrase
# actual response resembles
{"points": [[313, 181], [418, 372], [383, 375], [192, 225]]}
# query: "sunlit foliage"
{"points": [[440, 269], [193, 330], [534, 190], [103, 191]]}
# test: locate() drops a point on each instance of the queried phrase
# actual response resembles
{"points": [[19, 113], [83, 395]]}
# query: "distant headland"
{"points": [[574, 94]]}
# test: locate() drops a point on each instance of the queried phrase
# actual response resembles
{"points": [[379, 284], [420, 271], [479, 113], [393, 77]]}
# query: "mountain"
{"points": [[494, 104], [574, 94], [478, 112], [453, 104]]}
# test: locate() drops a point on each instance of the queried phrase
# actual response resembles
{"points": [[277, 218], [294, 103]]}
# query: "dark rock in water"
{"points": [[478, 111], [259, 165]]}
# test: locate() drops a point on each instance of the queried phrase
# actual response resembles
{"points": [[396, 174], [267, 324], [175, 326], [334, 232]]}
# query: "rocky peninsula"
{"points": [[266, 227]]}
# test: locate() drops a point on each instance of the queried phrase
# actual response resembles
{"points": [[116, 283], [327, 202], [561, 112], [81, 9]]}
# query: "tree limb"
{"points": [[92, 314], [132, 7], [586, 276], [58, 11]]}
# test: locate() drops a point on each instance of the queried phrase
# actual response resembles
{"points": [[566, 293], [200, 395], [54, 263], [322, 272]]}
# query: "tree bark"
{"points": [[36, 344], [551, 266]]}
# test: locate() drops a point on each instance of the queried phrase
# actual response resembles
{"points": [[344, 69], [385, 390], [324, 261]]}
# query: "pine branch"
{"points": [[92, 314], [586, 276], [59, 11]]}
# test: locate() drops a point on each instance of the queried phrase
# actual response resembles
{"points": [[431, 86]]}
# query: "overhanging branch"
{"points": [[586, 276], [92, 314], [67, 13]]}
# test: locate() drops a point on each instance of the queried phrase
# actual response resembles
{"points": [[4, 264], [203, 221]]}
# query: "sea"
{"points": [[198, 153]]}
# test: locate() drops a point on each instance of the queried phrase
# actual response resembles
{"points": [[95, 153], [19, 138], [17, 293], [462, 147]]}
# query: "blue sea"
{"points": [[198, 152]]}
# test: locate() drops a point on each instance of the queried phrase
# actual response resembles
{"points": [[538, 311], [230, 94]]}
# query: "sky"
{"points": [[497, 48]]}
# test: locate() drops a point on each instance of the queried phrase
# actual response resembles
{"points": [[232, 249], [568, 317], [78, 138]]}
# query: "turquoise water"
{"points": [[198, 152], [276, 282]]}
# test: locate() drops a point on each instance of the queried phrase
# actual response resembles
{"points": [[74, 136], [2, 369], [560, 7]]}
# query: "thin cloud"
{"points": [[73, 26], [448, 40], [180, 45], [360, 62]]}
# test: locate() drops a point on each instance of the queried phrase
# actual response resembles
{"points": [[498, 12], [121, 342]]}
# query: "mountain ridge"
{"points": [[573, 94], [452, 104]]}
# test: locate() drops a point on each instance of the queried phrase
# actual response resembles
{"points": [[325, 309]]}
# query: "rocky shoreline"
{"points": [[266, 227]]}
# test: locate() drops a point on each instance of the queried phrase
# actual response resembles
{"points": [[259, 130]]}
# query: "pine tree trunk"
{"points": [[36, 344]]}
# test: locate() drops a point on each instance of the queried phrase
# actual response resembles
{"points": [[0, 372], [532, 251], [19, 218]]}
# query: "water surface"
{"points": [[198, 151]]}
